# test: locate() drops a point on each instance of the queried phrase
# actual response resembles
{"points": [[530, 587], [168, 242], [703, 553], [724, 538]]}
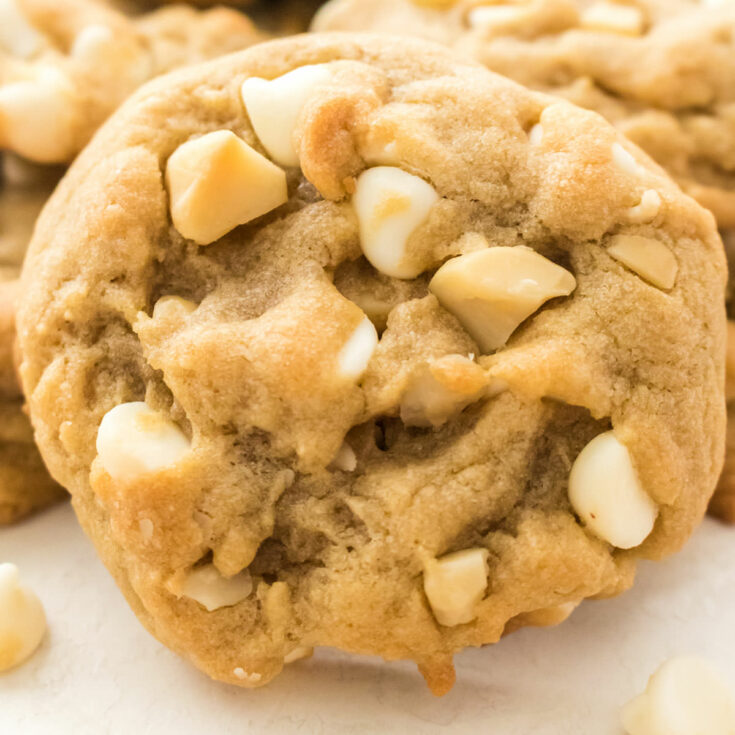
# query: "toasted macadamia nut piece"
{"points": [[345, 459], [492, 291], [441, 389], [487, 16], [684, 697], [17, 36], [649, 258], [390, 204], [298, 653], [455, 583], [625, 160], [606, 494], [27, 106], [218, 182], [648, 208], [22, 620], [133, 440], [613, 18], [354, 357], [274, 107], [210, 589]]}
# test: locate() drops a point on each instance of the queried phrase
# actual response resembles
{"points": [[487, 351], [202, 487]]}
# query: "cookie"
{"points": [[344, 341], [662, 71], [72, 64]]}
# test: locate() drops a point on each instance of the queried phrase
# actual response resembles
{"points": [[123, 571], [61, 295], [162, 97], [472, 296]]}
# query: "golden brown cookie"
{"points": [[344, 341]]}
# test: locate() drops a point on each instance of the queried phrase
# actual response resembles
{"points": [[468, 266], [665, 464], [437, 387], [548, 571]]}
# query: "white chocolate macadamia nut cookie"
{"points": [[346, 385]]}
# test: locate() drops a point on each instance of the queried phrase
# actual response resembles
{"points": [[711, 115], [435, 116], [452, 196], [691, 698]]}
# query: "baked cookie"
{"points": [[344, 341], [24, 482], [663, 71], [64, 67]]}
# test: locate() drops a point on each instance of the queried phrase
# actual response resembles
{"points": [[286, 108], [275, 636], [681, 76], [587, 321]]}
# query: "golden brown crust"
{"points": [[336, 557]]}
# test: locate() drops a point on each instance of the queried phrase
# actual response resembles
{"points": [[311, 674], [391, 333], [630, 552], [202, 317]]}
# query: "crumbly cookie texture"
{"points": [[663, 71], [64, 67], [277, 441], [25, 484]]}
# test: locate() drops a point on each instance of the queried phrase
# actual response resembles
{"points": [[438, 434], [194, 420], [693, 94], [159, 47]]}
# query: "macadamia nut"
{"points": [[210, 589], [649, 258]]}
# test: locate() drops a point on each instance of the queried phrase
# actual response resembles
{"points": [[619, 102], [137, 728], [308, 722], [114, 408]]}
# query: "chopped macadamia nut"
{"points": [[22, 620], [684, 697], [441, 389], [606, 494], [133, 440], [218, 182], [613, 18], [354, 357], [172, 306], [625, 161], [455, 583], [648, 208], [649, 258], [390, 204], [210, 589], [17, 36], [27, 109], [488, 16], [297, 654], [492, 291], [274, 107], [345, 460]]}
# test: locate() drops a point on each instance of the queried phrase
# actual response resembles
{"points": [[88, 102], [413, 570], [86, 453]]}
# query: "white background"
{"points": [[99, 672]]}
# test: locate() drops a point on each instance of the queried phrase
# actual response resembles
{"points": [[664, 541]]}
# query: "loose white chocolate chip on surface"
{"points": [[297, 654], [649, 258], [22, 620], [345, 459], [625, 160], [648, 208], [218, 182], [606, 494], [487, 16], [210, 589], [274, 107], [17, 36], [354, 357], [613, 18], [455, 583], [685, 696], [133, 440], [536, 134], [492, 291], [390, 204]]}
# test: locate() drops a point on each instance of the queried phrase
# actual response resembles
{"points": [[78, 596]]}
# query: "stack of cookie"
{"points": [[346, 340]]}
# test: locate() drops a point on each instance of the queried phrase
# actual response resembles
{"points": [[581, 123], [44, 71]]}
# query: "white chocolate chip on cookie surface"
{"points": [[605, 491], [651, 259], [22, 620], [210, 589], [492, 291], [17, 35], [134, 440], [612, 17]]}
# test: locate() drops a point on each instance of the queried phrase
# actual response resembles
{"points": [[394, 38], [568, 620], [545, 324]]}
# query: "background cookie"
{"points": [[662, 72], [333, 449]]}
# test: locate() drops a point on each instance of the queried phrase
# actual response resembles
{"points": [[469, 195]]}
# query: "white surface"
{"points": [[99, 672]]}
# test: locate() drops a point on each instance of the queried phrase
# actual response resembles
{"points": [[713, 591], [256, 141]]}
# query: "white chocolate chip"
{"points": [[17, 35], [649, 258], [172, 306], [488, 16], [455, 583], [355, 355], [88, 41], [492, 291], [210, 589], [37, 116], [625, 160], [345, 459], [22, 620], [133, 440], [536, 134], [251, 678], [274, 107], [606, 494], [684, 697], [297, 654], [613, 18], [390, 204], [218, 182], [648, 208]]}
